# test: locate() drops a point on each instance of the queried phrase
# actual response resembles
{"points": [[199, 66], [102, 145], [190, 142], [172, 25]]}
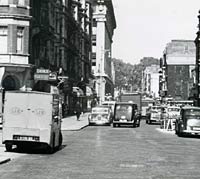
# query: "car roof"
{"points": [[108, 102], [190, 107], [108, 107], [173, 107], [130, 103]]}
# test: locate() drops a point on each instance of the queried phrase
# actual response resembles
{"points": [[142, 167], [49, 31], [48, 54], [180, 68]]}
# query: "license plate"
{"points": [[123, 120], [26, 138]]}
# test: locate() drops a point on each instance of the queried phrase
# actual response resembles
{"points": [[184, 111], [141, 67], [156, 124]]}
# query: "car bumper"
{"points": [[124, 122], [155, 119], [99, 122], [191, 132]]}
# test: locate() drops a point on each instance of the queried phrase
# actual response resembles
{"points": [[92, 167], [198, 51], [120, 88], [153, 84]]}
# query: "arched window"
{"points": [[9, 83]]}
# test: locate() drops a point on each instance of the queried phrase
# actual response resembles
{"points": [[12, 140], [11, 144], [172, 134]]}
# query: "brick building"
{"points": [[177, 65]]}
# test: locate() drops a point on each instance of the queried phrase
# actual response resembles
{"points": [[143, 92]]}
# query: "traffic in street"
{"points": [[106, 152]]}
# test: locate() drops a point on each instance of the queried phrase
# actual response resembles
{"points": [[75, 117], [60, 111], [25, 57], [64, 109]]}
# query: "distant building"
{"points": [[150, 81], [148, 61], [177, 65]]}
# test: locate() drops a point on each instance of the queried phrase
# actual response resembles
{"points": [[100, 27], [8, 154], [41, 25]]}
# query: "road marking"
{"points": [[129, 165]]}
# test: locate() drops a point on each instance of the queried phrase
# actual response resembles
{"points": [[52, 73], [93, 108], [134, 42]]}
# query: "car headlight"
{"points": [[89, 116], [105, 116]]}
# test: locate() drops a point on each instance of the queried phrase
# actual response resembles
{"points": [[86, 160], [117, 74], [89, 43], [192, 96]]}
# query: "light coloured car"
{"points": [[154, 114], [111, 104], [100, 115]]}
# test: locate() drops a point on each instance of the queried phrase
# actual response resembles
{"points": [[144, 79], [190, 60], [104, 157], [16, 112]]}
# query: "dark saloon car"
{"points": [[100, 115], [126, 113], [188, 122]]}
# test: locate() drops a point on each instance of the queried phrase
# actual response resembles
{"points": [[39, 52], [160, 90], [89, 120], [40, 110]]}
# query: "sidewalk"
{"points": [[70, 123]]}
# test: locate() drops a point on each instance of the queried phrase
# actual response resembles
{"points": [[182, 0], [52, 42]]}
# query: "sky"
{"points": [[144, 27]]}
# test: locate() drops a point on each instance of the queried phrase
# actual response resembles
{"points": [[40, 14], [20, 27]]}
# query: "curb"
{"points": [[5, 161], [76, 129]]}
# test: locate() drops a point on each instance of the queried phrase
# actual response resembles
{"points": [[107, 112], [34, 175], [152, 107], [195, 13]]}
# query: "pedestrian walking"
{"points": [[93, 103], [78, 110]]}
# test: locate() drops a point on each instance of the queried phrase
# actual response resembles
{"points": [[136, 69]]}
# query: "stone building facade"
{"points": [[61, 43], [15, 70], [104, 24]]}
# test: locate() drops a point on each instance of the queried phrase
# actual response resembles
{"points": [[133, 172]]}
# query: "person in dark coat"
{"points": [[78, 110]]}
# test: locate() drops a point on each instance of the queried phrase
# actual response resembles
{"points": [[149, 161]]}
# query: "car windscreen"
{"points": [[156, 108], [173, 109], [123, 110], [191, 113]]}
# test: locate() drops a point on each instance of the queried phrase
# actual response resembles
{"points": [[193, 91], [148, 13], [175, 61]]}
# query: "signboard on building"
{"points": [[45, 75]]}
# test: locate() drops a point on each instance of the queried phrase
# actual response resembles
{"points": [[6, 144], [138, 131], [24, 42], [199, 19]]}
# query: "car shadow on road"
{"points": [[36, 150], [190, 136]]}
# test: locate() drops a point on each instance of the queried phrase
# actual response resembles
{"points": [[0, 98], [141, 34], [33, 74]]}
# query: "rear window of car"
{"points": [[173, 109], [123, 110]]}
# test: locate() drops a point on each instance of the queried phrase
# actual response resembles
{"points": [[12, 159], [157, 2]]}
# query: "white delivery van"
{"points": [[32, 118]]}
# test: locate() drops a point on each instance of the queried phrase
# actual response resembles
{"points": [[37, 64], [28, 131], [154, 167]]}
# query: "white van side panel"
{"points": [[27, 114]]}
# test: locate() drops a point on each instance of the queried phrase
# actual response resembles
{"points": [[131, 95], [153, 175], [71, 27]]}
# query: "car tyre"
{"points": [[60, 139], [8, 147]]}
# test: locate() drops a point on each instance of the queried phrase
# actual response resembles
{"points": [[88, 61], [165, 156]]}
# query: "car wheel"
{"points": [[138, 125], [60, 139], [114, 125], [8, 147]]}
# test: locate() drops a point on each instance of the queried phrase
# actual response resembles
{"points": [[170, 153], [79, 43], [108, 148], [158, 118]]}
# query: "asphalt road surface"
{"points": [[103, 152]]}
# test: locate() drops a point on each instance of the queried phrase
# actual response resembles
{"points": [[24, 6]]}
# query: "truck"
{"points": [[135, 98], [32, 118]]}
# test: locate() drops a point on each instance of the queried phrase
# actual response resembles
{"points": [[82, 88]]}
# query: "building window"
{"points": [[94, 23], [94, 39], [3, 2], [21, 2], [20, 39], [3, 39]]}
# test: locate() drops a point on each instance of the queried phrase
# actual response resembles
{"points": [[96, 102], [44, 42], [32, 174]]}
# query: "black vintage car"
{"points": [[126, 113], [188, 122]]}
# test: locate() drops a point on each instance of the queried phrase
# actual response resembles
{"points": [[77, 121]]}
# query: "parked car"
{"points": [[100, 115], [126, 113], [154, 114], [188, 122], [111, 104]]}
